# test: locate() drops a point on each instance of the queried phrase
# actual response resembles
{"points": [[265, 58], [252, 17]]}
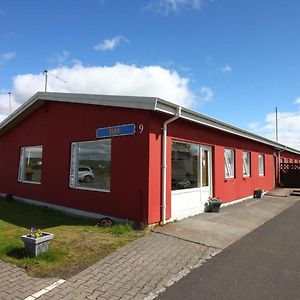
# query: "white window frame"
{"points": [[74, 167], [21, 173], [261, 162], [246, 167], [229, 168]]}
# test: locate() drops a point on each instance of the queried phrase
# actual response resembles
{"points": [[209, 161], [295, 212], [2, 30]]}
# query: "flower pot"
{"points": [[212, 206], [257, 194], [37, 246]]}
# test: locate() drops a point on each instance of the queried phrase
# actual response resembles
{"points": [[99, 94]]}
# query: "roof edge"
{"points": [[190, 115], [136, 102]]}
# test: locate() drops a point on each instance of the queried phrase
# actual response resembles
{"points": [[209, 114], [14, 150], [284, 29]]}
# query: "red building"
{"points": [[137, 158]]}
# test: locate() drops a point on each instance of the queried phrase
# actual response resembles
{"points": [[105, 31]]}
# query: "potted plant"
{"points": [[258, 193], [212, 205], [37, 241]]}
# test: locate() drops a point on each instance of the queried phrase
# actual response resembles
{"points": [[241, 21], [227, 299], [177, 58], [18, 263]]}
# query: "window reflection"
{"points": [[185, 166], [30, 168], [91, 165]]}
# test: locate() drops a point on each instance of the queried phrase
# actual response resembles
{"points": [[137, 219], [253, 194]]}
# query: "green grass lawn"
{"points": [[77, 242]]}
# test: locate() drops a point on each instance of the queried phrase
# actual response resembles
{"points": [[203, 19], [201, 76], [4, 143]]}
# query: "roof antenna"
{"points": [[9, 101], [46, 72]]}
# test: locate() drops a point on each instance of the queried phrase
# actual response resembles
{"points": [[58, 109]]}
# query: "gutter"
{"points": [[164, 163]]}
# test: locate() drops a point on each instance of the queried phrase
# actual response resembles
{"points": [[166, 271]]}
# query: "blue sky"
{"points": [[232, 60]]}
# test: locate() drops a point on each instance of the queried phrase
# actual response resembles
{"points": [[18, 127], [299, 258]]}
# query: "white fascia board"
{"points": [[148, 103], [104, 100], [26, 105], [171, 109], [39, 98]]}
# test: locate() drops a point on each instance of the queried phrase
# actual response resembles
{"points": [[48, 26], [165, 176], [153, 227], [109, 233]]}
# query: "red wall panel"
{"points": [[55, 126], [226, 189], [136, 160]]}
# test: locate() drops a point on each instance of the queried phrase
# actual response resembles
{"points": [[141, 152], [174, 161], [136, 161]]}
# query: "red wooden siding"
{"points": [[135, 160], [55, 126]]}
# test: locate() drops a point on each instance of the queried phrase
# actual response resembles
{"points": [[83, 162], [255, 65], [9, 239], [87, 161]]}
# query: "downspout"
{"points": [[279, 179], [164, 164]]}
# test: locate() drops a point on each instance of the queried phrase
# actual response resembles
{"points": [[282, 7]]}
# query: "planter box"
{"points": [[212, 206], [37, 246], [257, 194]]}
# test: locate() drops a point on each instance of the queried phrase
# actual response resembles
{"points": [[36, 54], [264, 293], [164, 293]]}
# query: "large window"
{"points": [[229, 163], [91, 165], [30, 166], [261, 164], [246, 164], [185, 166]]}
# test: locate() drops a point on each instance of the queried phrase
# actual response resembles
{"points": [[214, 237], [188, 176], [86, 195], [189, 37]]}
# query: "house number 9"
{"points": [[141, 128]]}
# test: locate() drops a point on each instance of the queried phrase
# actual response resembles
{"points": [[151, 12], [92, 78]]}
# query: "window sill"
{"points": [[88, 189], [30, 182], [228, 178]]}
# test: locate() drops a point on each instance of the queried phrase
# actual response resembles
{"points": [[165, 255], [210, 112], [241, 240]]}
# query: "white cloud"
{"points": [[165, 7], [120, 79], [288, 127], [226, 70], [297, 100], [5, 103], [61, 58], [8, 55], [110, 44], [254, 125], [206, 94]]}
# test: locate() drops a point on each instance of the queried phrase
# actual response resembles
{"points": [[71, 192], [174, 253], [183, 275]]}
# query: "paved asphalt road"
{"points": [[265, 264]]}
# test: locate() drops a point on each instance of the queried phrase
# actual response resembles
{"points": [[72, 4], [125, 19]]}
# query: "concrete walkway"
{"points": [[147, 266], [280, 192], [262, 265], [233, 222]]}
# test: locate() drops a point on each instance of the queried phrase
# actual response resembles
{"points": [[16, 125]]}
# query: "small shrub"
{"points": [[105, 222]]}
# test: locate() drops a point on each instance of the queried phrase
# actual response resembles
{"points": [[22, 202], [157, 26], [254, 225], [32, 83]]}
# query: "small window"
{"points": [[30, 166], [229, 163], [261, 165], [246, 164], [91, 165]]}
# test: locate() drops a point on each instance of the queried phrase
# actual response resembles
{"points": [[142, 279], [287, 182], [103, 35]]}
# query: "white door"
{"points": [[189, 200]]}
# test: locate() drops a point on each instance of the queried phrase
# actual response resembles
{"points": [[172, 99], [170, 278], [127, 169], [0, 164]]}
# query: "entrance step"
{"points": [[279, 192], [295, 193]]}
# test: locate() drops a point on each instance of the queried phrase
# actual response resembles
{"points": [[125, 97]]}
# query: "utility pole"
{"points": [[276, 124], [46, 79], [9, 101]]}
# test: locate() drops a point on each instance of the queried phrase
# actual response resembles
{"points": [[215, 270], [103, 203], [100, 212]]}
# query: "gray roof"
{"points": [[148, 103]]}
